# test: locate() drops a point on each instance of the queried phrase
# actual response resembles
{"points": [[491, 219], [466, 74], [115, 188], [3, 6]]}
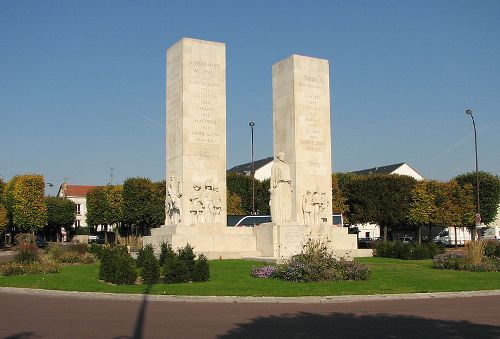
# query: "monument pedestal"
{"points": [[216, 242], [283, 240]]}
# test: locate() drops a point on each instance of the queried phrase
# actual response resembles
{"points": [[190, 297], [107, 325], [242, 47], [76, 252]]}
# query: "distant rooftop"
{"points": [[380, 170], [247, 168], [68, 190]]}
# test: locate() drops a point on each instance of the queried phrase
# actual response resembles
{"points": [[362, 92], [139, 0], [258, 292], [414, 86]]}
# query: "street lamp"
{"points": [[251, 124], [478, 213]]}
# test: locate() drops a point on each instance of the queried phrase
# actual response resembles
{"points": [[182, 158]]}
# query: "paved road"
{"points": [[45, 315]]}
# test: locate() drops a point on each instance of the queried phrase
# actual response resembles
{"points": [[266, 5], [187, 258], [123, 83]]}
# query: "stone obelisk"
{"points": [[301, 126], [196, 131]]}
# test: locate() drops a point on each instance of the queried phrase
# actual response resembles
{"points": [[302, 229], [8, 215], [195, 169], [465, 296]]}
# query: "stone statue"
{"points": [[196, 204], [173, 201], [307, 207], [316, 206], [281, 190], [217, 204], [208, 201], [325, 207]]}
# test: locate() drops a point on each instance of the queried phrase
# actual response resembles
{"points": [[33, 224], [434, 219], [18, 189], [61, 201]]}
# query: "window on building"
{"points": [[367, 234], [78, 209], [77, 223]]}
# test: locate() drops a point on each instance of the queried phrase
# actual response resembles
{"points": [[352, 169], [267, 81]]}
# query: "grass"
{"points": [[232, 277]]}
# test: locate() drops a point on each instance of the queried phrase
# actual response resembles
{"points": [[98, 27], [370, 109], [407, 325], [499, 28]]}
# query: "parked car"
{"points": [[406, 239], [40, 241], [100, 238], [364, 242], [253, 220]]}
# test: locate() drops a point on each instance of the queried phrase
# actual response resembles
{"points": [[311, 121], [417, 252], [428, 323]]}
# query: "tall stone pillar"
{"points": [[196, 131], [301, 130]]}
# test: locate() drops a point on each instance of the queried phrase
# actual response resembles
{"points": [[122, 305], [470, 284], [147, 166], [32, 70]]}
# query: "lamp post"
{"points": [[251, 124], [478, 213]]}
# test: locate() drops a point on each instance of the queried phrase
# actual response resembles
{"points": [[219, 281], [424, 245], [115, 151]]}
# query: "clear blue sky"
{"points": [[82, 83]]}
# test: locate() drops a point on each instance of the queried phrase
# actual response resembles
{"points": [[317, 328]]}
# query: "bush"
{"points": [[461, 262], [398, 249], [475, 251], [263, 271], [26, 253], [117, 266], [166, 253], [97, 250], [492, 249], [317, 264], [175, 270], [70, 253], [187, 256], [43, 265], [25, 238], [201, 271], [148, 265]]}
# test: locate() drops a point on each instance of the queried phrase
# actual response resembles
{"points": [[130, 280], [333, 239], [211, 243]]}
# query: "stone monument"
{"points": [[195, 203], [301, 184]]}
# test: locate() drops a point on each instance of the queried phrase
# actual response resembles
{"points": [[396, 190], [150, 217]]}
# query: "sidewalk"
{"points": [[235, 299]]}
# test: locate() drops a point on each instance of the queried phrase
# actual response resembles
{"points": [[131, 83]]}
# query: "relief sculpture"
{"points": [[315, 207], [173, 201], [281, 190]]}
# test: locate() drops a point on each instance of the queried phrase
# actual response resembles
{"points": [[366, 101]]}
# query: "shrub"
{"points": [[398, 249], [44, 266], [70, 253], [97, 250], [492, 249], [26, 253], [25, 238], [176, 271], [317, 264], [187, 256], [166, 253], [117, 266], [263, 271], [148, 265], [475, 251], [201, 271]]}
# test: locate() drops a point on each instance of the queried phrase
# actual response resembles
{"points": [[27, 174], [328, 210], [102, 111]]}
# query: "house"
{"points": [[77, 194], [401, 169], [262, 168]]}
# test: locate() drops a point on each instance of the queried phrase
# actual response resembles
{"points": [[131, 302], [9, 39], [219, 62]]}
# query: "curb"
{"points": [[240, 300]]}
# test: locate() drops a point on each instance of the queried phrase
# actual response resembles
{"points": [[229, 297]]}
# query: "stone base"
{"points": [[216, 242], [281, 241], [269, 241]]}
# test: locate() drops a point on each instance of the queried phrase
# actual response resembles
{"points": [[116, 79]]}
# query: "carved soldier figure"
{"points": [[196, 204], [316, 202], [307, 207], [281, 190], [173, 199]]}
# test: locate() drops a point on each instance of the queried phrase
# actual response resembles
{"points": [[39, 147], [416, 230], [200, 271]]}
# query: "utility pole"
{"points": [[111, 169]]}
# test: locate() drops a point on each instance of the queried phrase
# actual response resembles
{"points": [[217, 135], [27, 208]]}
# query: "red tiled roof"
{"points": [[77, 190]]}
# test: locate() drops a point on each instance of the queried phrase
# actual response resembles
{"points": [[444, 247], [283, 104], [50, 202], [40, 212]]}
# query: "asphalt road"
{"points": [[63, 316]]}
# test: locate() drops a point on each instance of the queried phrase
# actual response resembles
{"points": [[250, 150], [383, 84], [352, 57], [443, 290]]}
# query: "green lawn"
{"points": [[232, 277]]}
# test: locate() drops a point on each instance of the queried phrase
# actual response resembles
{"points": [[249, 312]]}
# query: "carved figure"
{"points": [[209, 202], [217, 204], [281, 190], [196, 204], [307, 207], [173, 201], [316, 204], [324, 207]]}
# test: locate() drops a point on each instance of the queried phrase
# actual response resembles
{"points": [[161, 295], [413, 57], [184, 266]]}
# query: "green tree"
{"points": [[262, 196], [141, 204], [4, 219], [422, 207], [383, 199], [339, 205], [2, 190], [454, 205], [97, 207], [234, 204], [489, 193], [29, 211], [241, 185], [61, 212]]}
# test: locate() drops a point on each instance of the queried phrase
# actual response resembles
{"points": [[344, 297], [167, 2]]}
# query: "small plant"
{"points": [[475, 251], [263, 271], [201, 270], [186, 255], [26, 253], [166, 253], [176, 271], [117, 266], [148, 265]]}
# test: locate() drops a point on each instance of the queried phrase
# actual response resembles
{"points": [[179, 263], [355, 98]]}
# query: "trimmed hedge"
{"points": [[408, 251], [148, 265], [182, 267]]}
